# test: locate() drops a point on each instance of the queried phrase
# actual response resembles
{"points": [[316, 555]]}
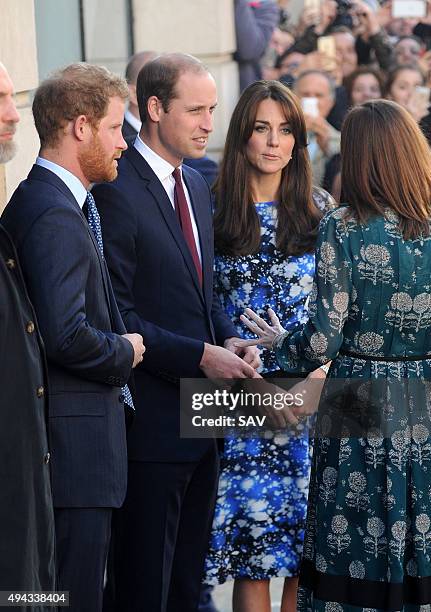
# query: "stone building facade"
{"points": [[38, 36]]}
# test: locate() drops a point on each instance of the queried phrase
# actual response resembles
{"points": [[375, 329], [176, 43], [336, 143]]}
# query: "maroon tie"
{"points": [[183, 214]]}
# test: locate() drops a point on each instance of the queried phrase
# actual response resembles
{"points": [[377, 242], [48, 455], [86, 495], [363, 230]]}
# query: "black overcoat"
{"points": [[26, 512]]}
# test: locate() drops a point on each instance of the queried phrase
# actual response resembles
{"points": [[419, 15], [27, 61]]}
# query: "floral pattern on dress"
{"points": [[369, 514], [261, 504]]}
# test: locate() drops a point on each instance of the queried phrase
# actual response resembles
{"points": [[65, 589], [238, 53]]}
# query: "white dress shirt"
{"points": [[70, 180], [163, 170]]}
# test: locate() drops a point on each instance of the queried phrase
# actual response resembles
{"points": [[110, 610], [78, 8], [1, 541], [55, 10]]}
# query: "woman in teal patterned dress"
{"points": [[266, 223], [367, 545]]}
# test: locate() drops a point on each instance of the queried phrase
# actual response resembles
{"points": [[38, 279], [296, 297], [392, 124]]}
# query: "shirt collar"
{"points": [[161, 168], [71, 181], [134, 121]]}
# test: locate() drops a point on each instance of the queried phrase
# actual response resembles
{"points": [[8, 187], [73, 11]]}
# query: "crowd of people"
{"points": [[130, 260], [349, 52]]}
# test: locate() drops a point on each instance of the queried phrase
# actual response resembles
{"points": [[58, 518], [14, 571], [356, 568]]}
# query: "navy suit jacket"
{"points": [[88, 361], [128, 131], [159, 295], [206, 167]]}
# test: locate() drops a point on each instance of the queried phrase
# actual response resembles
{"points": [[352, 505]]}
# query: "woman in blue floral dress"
{"points": [[367, 546], [265, 227]]}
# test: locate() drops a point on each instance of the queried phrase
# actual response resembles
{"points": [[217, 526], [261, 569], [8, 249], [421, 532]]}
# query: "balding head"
{"points": [[136, 63], [317, 84], [8, 117], [133, 68]]}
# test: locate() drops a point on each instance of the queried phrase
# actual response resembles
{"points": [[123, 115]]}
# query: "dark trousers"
{"points": [[161, 535], [82, 536]]}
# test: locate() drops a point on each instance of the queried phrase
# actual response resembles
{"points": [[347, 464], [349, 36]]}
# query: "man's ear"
{"points": [[154, 108], [81, 127]]}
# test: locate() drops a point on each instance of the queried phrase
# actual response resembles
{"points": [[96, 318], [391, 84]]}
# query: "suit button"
{"points": [[40, 392], [47, 458], [30, 327], [11, 263], [121, 398]]}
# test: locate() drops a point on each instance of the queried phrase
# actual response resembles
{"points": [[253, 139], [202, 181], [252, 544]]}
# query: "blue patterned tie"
{"points": [[96, 227]]}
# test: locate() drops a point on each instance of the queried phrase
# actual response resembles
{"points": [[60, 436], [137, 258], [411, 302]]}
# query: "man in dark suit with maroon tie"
{"points": [[158, 236]]}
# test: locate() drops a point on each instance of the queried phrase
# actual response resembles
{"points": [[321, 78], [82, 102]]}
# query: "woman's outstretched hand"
{"points": [[266, 334]]}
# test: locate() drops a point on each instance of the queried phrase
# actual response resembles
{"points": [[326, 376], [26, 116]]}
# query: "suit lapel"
{"points": [[103, 269], [199, 214], [42, 174], [116, 321], [157, 190]]}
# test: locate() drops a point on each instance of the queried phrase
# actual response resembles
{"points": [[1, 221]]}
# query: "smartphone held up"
{"points": [[409, 9]]}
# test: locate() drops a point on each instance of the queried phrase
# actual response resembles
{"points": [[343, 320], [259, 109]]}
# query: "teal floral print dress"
{"points": [[367, 545]]}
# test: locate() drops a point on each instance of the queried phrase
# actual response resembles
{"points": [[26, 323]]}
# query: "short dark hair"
{"points": [[341, 29], [78, 89], [160, 76], [280, 58]]}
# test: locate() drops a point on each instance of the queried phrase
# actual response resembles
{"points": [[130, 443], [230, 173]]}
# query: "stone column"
{"points": [[106, 33], [18, 54], [204, 28]]}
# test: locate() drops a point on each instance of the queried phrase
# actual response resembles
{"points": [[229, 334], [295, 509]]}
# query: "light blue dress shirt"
{"points": [[70, 180]]}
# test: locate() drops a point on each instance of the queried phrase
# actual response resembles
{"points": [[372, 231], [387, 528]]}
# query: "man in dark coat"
{"points": [[158, 233], [54, 222], [26, 512]]}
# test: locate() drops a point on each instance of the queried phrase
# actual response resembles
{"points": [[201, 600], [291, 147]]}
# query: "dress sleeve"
{"points": [[319, 340], [323, 200]]}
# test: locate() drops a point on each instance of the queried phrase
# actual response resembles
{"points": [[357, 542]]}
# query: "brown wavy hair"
{"points": [[386, 163], [78, 89], [236, 222]]}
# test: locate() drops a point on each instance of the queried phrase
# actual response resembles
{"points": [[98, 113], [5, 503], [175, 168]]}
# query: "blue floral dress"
{"points": [[367, 545], [260, 512]]}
